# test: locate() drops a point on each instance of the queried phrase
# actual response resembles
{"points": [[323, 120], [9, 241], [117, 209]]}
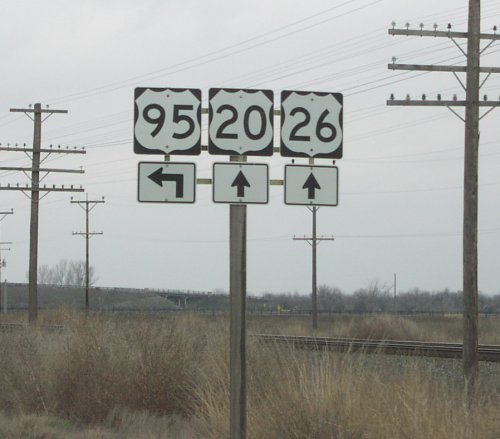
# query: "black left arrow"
{"points": [[159, 177], [240, 182], [311, 185]]}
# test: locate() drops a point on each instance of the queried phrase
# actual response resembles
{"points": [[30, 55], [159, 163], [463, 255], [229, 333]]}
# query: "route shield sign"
{"points": [[166, 182], [240, 122], [167, 121], [311, 185], [311, 124], [240, 183]]}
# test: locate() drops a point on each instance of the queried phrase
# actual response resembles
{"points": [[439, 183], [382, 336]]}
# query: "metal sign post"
{"points": [[238, 289]]}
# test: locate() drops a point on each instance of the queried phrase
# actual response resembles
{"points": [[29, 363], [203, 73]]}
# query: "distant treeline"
{"points": [[379, 298]]}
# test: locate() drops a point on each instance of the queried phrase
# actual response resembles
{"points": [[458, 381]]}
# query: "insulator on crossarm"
{"points": [[449, 27], [407, 25], [408, 97], [485, 97], [424, 97], [439, 96], [435, 27], [391, 97], [393, 24], [394, 60], [454, 97], [421, 26], [495, 28]]}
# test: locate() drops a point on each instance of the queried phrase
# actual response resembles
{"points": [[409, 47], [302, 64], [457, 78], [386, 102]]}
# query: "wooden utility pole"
{"points": [[314, 241], [87, 205], [34, 188], [472, 118], [2, 265], [395, 292], [470, 287]]}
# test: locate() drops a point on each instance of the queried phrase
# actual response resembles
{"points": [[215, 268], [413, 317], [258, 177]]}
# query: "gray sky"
{"points": [[400, 208]]}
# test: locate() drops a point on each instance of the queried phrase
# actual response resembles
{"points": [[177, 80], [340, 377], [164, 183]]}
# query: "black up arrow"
{"points": [[159, 177], [311, 185], [240, 182]]}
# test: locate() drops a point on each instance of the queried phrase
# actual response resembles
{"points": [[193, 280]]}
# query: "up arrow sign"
{"points": [[240, 182], [159, 177], [307, 185], [311, 185]]}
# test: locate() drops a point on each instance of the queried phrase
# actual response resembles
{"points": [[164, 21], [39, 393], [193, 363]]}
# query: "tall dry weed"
{"points": [[133, 364], [296, 394]]}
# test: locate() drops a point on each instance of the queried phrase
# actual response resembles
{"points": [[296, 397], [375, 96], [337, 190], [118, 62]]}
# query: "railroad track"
{"points": [[390, 347], [12, 327]]}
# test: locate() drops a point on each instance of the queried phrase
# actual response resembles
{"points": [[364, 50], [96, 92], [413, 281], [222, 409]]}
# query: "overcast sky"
{"points": [[400, 180]]}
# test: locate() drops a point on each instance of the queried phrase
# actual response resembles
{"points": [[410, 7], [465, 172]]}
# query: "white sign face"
{"points": [[311, 185], [311, 124], [167, 121], [166, 182], [240, 122], [240, 183]]}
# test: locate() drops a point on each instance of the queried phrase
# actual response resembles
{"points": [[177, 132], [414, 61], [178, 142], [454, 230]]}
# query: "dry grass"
{"points": [[167, 377]]}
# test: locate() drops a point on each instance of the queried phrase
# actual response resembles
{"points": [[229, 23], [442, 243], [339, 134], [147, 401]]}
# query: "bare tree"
{"points": [[66, 273]]}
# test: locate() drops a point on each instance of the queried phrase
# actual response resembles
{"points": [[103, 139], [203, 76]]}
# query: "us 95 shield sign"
{"points": [[167, 121], [311, 124]]}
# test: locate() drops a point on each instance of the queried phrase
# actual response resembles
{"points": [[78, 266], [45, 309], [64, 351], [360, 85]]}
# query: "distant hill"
{"points": [[51, 296]]}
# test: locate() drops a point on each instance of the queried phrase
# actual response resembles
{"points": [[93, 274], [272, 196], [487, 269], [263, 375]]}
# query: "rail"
{"points": [[11, 327], [391, 347]]}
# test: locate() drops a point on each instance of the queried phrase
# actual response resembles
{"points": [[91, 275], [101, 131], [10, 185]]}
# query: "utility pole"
{"points": [[34, 188], [394, 304], [471, 120], [2, 265], [2, 260], [87, 205], [314, 241]]}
